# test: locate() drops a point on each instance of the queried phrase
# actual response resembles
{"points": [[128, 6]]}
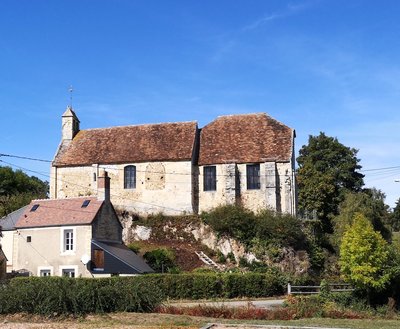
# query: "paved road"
{"points": [[265, 304]]}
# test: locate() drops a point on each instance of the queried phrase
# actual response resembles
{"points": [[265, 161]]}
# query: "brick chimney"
{"points": [[103, 186]]}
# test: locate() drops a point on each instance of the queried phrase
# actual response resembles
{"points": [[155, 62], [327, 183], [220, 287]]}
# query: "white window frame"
{"points": [[63, 233], [69, 267], [45, 268]]}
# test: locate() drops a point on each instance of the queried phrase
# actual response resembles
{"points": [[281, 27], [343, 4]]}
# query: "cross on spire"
{"points": [[70, 95]]}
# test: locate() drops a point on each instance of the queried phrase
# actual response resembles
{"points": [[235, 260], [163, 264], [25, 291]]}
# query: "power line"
{"points": [[23, 157], [175, 173], [112, 167], [378, 169], [86, 187]]}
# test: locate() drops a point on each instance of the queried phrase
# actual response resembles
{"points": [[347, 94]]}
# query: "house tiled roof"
{"points": [[57, 212], [129, 144], [245, 139], [8, 222]]}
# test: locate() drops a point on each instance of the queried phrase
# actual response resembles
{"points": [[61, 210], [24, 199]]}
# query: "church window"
{"points": [[129, 177], [210, 178], [253, 176]]}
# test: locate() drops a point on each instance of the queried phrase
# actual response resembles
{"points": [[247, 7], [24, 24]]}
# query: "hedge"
{"points": [[217, 285], [59, 295]]}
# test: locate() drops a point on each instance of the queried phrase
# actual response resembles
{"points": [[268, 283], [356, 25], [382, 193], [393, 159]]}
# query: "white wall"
{"points": [[7, 244], [45, 250]]}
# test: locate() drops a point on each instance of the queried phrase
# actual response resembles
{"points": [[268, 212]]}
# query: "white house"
{"points": [[79, 236]]}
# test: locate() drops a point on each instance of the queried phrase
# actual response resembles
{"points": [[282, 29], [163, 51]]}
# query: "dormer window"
{"points": [[85, 203], [34, 207]]}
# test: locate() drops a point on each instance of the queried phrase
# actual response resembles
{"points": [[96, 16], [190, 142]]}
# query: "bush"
{"points": [[161, 260], [217, 285], [134, 247], [266, 227], [59, 295], [233, 221], [284, 229]]}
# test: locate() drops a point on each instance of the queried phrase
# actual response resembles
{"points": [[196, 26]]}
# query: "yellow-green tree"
{"points": [[364, 256]]}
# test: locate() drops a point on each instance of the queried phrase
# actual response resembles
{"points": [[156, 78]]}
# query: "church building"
{"points": [[178, 168]]}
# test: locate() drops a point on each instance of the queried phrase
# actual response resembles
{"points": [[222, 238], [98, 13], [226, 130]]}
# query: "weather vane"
{"points": [[70, 95]]}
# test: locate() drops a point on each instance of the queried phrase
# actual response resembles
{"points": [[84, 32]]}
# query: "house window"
{"points": [[45, 272], [68, 240], [68, 272], [129, 177], [98, 259], [94, 177], [34, 207], [210, 178], [28, 238], [253, 176]]}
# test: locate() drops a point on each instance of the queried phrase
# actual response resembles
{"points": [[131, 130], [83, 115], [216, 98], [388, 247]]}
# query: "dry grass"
{"points": [[160, 321]]}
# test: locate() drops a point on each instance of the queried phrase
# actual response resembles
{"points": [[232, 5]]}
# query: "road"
{"points": [[259, 303]]}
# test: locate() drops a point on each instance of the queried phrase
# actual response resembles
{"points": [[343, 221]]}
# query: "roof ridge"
{"points": [[67, 199], [255, 114], [141, 125], [243, 114]]}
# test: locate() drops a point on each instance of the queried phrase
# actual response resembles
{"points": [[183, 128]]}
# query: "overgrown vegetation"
{"points": [[254, 229], [161, 260]]}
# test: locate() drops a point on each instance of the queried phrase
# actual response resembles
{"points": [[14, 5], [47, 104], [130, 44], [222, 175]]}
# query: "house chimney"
{"points": [[103, 187]]}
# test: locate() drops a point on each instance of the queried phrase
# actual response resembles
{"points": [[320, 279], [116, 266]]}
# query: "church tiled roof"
{"points": [[245, 139], [57, 212], [129, 144]]}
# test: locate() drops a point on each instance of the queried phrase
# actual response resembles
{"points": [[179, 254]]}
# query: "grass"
{"points": [[150, 321]]}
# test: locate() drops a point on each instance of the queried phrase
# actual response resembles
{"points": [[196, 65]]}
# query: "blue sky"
{"points": [[315, 65]]}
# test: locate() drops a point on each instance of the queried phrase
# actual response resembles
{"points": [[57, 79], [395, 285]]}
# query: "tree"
{"points": [[17, 189], [395, 217], [327, 169], [364, 256], [371, 204]]}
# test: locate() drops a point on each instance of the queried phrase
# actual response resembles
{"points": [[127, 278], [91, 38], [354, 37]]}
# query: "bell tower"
{"points": [[70, 124]]}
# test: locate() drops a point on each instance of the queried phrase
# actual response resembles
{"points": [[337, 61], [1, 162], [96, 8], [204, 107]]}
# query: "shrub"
{"points": [[134, 247], [233, 221], [217, 285], [221, 257], [161, 260], [284, 229], [59, 295]]}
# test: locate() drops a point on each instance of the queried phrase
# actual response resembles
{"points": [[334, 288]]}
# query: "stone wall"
{"points": [[161, 187], [276, 191]]}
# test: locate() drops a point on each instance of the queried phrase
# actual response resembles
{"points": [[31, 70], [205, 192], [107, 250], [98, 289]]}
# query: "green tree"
{"points": [[17, 189], [370, 203], [395, 217], [327, 169], [364, 256]]}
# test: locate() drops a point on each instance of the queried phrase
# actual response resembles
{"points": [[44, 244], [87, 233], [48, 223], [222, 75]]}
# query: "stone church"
{"points": [[178, 168]]}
